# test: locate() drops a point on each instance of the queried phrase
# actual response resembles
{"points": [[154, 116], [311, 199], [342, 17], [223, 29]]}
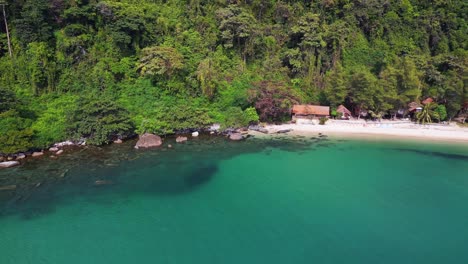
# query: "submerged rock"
{"points": [[236, 136], [8, 164], [148, 140], [181, 139], [103, 182], [8, 188]]}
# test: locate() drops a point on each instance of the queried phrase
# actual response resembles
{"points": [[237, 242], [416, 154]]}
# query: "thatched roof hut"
{"points": [[413, 106], [311, 110], [427, 101], [344, 111]]}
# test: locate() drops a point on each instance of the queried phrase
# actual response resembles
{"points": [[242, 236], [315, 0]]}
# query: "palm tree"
{"points": [[427, 114]]}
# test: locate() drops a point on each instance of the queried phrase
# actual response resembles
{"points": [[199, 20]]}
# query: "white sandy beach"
{"points": [[375, 130]]}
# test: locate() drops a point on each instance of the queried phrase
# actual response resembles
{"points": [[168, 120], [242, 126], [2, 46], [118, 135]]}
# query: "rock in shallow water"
{"points": [[236, 136], [181, 139], [102, 182], [53, 149], [195, 134], [37, 154], [8, 164], [148, 140], [8, 188]]}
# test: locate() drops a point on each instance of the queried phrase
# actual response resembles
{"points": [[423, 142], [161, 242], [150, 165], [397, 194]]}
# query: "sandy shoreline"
{"points": [[376, 131]]}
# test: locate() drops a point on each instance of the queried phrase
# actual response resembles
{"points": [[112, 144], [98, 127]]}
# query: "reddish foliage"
{"points": [[273, 100]]}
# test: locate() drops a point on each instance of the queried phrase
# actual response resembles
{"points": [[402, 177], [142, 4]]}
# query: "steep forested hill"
{"points": [[97, 69]]}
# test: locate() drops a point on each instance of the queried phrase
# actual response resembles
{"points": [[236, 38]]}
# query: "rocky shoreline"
{"points": [[146, 140]]}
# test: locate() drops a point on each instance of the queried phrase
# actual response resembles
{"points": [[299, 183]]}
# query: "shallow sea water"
{"points": [[282, 200]]}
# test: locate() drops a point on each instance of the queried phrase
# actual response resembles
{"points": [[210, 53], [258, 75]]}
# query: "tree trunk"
{"points": [[7, 31]]}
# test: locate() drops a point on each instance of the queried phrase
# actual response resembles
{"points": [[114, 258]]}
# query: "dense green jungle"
{"points": [[101, 70]]}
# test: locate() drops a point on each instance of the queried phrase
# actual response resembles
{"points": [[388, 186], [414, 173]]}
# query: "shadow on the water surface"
{"points": [[43, 185], [435, 154]]}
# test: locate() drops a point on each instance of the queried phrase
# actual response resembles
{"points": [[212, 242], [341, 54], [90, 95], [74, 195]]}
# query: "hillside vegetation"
{"points": [[107, 69]]}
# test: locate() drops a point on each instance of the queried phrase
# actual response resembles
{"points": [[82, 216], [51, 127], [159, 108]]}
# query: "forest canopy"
{"points": [[106, 69]]}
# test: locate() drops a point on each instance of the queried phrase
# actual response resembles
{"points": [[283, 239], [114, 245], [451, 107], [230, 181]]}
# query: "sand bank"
{"points": [[376, 130]]}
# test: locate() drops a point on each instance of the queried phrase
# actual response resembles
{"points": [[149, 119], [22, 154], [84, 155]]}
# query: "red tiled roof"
{"points": [[311, 110]]}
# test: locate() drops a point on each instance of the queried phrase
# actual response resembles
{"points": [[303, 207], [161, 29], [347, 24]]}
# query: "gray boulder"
{"points": [[54, 149], [8, 164], [148, 140], [259, 129], [284, 131]]}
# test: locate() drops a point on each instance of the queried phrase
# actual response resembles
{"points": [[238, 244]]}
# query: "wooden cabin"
{"points": [[310, 111]]}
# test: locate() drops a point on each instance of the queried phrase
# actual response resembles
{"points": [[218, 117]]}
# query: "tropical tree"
{"points": [[442, 112], [160, 61]]}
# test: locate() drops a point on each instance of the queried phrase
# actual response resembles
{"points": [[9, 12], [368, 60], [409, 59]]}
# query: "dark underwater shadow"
{"points": [[43, 185], [435, 154]]}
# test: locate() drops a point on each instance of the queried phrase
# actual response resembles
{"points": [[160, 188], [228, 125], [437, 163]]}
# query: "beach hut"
{"points": [[414, 107], [427, 101], [310, 111], [345, 113]]}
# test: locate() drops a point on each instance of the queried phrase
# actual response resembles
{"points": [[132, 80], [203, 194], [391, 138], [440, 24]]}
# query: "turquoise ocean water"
{"points": [[299, 200]]}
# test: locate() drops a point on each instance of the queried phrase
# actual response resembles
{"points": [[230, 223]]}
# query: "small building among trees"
{"points": [[344, 112], [310, 111]]}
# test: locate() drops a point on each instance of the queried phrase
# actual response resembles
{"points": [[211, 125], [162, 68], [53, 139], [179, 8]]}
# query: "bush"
{"points": [[99, 120], [234, 117], [51, 125], [251, 116], [323, 120], [442, 111], [15, 132]]}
